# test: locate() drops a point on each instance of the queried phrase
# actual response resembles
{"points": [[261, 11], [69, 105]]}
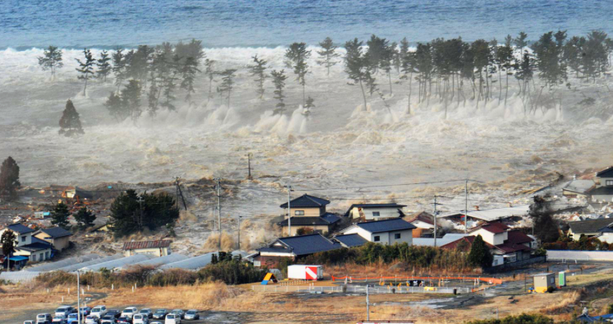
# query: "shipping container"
{"points": [[305, 272]]}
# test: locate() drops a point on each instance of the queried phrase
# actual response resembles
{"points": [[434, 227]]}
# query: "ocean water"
{"points": [[270, 23]]}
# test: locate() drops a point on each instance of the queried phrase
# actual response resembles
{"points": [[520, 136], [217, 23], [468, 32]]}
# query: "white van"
{"points": [[129, 312], [43, 318], [140, 319], [172, 319], [99, 311]]}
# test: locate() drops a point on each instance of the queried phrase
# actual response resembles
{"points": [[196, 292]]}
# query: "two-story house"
{"points": [[27, 245], [602, 192], [368, 212], [506, 245], [387, 232], [308, 214]]}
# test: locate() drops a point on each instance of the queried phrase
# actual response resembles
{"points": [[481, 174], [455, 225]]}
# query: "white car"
{"points": [[64, 311], [98, 311], [140, 319], [59, 319], [172, 319], [43, 318], [91, 319], [129, 312]]}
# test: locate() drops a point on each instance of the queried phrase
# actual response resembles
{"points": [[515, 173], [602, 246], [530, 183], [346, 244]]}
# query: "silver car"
{"points": [[192, 314]]}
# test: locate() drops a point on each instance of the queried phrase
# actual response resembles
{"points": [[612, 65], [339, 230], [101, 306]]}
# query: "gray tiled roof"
{"points": [[21, 229], [306, 201], [350, 240], [395, 224], [302, 245], [326, 219], [56, 232], [590, 226]]}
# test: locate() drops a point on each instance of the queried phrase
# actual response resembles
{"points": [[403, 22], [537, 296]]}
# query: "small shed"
{"points": [[544, 281], [562, 279]]}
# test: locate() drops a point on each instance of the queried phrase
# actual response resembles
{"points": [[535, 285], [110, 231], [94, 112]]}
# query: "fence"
{"points": [[18, 276], [489, 280], [355, 289], [575, 256]]}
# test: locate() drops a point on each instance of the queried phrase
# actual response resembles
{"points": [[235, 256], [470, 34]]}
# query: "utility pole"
{"points": [[249, 156], [179, 192], [367, 305], [140, 220], [289, 214], [239, 232], [219, 210], [78, 296], [466, 207], [434, 216]]}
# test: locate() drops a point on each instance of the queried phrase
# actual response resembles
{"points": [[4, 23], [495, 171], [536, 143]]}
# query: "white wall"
{"points": [[384, 212], [18, 241], [387, 238]]}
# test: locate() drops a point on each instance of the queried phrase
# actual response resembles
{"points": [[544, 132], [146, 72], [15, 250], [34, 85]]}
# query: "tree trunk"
{"points": [[363, 95], [389, 76], [499, 85], [410, 90], [85, 88], [506, 92]]}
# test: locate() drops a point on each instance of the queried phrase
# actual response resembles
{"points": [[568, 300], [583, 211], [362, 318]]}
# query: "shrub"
{"points": [[520, 319], [232, 272]]}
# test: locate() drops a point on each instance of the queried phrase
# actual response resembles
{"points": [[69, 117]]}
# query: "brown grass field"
{"points": [[259, 307]]}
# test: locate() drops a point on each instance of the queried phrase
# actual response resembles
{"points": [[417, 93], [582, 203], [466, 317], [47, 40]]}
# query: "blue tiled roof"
{"points": [[306, 201], [18, 228], [302, 245], [56, 232], [606, 173], [395, 224], [36, 245], [350, 240]]}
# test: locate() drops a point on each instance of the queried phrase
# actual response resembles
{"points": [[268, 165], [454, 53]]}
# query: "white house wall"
{"points": [[383, 213]]}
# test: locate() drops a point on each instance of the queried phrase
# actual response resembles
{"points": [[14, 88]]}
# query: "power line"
{"points": [[389, 185]]}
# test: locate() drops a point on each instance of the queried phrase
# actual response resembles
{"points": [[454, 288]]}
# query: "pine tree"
{"points": [[521, 41], [310, 104], [480, 254], [379, 56], [131, 212], [84, 218], [9, 178], [70, 123], [119, 67], [59, 216], [188, 74], [424, 66], [296, 58], [104, 67], [210, 74], [327, 55], [51, 59], [169, 84], [258, 70], [86, 68], [356, 66], [7, 240], [278, 79], [407, 62], [227, 83], [130, 99], [115, 107], [159, 69]]}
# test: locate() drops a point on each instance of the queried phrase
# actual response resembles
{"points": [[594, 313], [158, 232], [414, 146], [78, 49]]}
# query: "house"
{"points": [[395, 230], [367, 212], [27, 245], [465, 243], [603, 190], [292, 247], [423, 221], [440, 241], [77, 194], [157, 248], [350, 240], [308, 213], [507, 246], [589, 228], [489, 215], [58, 237], [577, 188]]}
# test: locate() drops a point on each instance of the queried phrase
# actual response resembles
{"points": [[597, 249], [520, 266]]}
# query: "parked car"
{"points": [[140, 319], [178, 312], [108, 317], [28, 322], [59, 319], [114, 312], [129, 312], [64, 311], [147, 312], [156, 323], [124, 319], [85, 311], [172, 319], [160, 314], [108, 321], [99, 311], [91, 319], [191, 314], [72, 318], [43, 318]]}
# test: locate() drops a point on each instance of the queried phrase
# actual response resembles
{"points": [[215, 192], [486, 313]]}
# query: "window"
{"points": [[609, 183], [376, 214], [47, 255], [34, 257], [23, 239], [397, 236], [42, 257], [299, 212], [377, 238]]}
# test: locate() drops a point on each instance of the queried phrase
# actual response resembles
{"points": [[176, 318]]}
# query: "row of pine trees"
{"points": [[449, 70]]}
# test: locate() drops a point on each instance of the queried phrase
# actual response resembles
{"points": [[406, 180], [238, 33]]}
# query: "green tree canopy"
{"points": [[131, 212], [59, 216], [9, 178], [85, 218], [51, 59], [479, 254], [8, 242], [70, 123]]}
